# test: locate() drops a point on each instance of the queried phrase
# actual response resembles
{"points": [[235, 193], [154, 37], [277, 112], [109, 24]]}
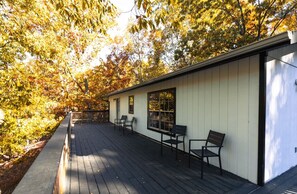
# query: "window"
{"points": [[161, 110], [131, 105]]}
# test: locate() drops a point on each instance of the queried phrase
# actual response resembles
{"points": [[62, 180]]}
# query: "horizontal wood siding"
{"points": [[222, 98]]}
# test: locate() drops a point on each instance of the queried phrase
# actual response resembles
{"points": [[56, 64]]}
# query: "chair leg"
{"points": [[221, 171], [189, 153], [161, 144], [189, 158], [207, 161], [176, 147], [202, 167]]}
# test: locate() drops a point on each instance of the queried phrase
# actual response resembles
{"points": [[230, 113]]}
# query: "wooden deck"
{"points": [[104, 161]]}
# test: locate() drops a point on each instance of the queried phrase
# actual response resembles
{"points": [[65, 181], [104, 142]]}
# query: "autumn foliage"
{"points": [[41, 45], [50, 59]]}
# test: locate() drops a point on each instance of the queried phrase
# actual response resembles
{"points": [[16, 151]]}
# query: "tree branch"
{"points": [[261, 20], [238, 23], [242, 17], [283, 18], [75, 81]]}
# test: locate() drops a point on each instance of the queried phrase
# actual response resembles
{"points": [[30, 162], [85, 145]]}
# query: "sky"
{"points": [[124, 7]]}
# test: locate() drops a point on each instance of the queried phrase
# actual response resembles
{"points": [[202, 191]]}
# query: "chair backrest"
{"points": [[179, 129], [124, 117], [215, 138], [133, 120]]}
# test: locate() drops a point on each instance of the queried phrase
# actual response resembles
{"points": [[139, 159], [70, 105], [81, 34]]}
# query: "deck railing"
{"points": [[91, 116], [48, 172]]}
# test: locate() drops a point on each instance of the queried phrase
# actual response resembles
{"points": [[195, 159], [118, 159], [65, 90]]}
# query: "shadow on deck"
{"points": [[105, 161]]}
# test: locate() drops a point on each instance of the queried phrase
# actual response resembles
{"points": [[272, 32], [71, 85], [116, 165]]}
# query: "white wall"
{"points": [[281, 112], [223, 98]]}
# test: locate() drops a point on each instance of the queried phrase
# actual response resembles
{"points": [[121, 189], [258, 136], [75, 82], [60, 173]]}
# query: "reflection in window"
{"points": [[161, 110], [131, 104]]}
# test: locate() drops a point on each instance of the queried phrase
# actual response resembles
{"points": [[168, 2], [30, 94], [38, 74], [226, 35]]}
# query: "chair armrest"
{"points": [[194, 140], [212, 146], [119, 122], [169, 134], [123, 122], [197, 140], [177, 136]]}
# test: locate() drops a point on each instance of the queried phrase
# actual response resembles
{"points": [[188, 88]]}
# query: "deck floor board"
{"points": [[103, 160]]}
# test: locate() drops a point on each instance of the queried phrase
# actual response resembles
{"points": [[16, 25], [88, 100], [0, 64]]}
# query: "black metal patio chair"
{"points": [[129, 124], [176, 132], [216, 140], [120, 122]]}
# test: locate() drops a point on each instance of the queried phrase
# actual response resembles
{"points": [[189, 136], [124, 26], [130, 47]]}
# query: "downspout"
{"points": [[262, 118]]}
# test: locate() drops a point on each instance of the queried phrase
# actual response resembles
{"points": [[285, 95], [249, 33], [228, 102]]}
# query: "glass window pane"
{"points": [[131, 104], [161, 110]]}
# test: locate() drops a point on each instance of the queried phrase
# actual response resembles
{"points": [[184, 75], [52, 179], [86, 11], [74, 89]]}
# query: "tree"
{"points": [[208, 28], [146, 49], [41, 45], [112, 74]]}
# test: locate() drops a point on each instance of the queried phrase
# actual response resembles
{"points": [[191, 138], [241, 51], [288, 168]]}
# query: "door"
{"points": [[117, 108]]}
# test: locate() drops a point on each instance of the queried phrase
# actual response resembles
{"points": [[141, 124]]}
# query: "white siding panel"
{"points": [[207, 102], [195, 99], [184, 100], [243, 115], [222, 98], [140, 110], [224, 87], [201, 105], [191, 108], [179, 104], [124, 105], [253, 117], [232, 130], [281, 106], [112, 110], [215, 100], [215, 105]]}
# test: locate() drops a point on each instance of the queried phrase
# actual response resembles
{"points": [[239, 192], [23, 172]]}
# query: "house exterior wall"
{"points": [[281, 112], [223, 98]]}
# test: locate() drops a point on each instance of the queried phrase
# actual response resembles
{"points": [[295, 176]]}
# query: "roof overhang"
{"points": [[256, 47]]}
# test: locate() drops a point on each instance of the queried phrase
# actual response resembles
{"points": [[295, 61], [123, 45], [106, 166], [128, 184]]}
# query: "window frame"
{"points": [[131, 106], [160, 130]]}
